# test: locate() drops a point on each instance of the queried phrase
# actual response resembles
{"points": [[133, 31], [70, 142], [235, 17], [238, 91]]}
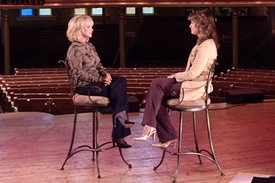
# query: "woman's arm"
{"points": [[197, 67], [199, 58]]}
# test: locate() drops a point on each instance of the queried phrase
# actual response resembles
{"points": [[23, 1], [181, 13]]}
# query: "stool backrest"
{"points": [[72, 79], [209, 80]]}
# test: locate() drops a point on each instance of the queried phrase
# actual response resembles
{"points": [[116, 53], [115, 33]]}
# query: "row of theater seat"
{"points": [[47, 89], [245, 79]]}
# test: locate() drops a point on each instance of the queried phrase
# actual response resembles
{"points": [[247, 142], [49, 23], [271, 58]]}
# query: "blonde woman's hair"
{"points": [[76, 25]]}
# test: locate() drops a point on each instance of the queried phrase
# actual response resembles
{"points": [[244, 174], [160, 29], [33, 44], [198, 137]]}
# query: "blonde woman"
{"points": [[93, 79]]}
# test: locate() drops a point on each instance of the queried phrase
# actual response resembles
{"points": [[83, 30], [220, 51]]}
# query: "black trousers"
{"points": [[117, 94]]}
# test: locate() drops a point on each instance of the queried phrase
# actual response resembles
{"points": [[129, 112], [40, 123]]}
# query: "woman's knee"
{"points": [[156, 81], [120, 80]]}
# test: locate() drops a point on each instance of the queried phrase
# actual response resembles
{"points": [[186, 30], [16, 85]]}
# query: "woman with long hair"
{"points": [[191, 81]]}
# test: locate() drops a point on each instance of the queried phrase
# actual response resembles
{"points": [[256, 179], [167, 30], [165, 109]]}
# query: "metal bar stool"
{"points": [[94, 104], [193, 106]]}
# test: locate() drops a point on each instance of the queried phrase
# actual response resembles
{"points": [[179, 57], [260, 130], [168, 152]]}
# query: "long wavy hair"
{"points": [[205, 23]]}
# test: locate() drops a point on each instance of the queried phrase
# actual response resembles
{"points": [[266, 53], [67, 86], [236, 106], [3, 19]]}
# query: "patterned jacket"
{"points": [[84, 63]]}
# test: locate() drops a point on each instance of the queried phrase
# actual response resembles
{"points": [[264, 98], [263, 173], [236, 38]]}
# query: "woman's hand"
{"points": [[107, 79], [171, 76]]}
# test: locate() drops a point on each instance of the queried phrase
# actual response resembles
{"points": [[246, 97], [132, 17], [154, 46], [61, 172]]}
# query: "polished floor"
{"points": [[33, 147]]}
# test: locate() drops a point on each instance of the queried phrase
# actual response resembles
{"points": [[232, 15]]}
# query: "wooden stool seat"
{"points": [[185, 105], [85, 100]]}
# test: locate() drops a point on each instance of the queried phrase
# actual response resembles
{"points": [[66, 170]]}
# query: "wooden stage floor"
{"points": [[33, 147]]}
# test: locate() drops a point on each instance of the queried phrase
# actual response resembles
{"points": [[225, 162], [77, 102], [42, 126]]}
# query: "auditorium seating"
{"points": [[47, 89], [36, 91], [249, 80]]}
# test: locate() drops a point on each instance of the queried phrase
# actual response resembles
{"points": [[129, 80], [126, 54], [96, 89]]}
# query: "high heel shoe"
{"points": [[147, 132], [165, 144]]}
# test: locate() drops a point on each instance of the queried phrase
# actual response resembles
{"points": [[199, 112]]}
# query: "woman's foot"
{"points": [[165, 144], [121, 143], [147, 132]]}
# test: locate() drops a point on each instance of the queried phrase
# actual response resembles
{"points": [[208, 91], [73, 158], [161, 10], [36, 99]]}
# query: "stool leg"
{"points": [[114, 125], [94, 134], [123, 159], [95, 141], [95, 148], [114, 145], [211, 143], [72, 139], [162, 158], [179, 146], [195, 135]]}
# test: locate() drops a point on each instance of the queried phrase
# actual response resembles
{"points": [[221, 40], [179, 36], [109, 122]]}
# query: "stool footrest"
{"points": [[90, 148]]}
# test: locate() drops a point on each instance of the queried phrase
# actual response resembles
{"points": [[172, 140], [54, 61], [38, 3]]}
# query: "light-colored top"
{"points": [[195, 75]]}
